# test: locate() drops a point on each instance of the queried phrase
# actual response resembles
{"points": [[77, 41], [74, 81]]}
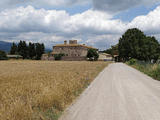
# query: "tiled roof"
{"points": [[74, 45]]}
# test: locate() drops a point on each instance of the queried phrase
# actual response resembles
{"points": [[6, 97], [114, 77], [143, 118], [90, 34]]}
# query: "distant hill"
{"points": [[48, 50], [5, 46]]}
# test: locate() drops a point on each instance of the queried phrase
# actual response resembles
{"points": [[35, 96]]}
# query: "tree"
{"points": [[92, 55], [14, 49], [135, 44], [150, 49], [113, 50], [43, 48], [31, 50], [23, 49], [39, 50], [3, 55]]}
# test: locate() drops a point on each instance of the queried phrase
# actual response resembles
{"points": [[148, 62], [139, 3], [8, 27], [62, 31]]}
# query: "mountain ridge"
{"points": [[5, 46]]}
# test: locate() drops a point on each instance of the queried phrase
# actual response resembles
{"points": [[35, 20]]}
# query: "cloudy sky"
{"points": [[98, 23]]}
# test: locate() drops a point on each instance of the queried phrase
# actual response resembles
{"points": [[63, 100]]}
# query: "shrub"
{"points": [[132, 61], [155, 73], [3, 55], [58, 56], [92, 55]]}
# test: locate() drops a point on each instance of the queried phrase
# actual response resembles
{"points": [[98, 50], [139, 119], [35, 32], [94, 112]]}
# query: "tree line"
{"points": [[135, 44], [28, 51], [112, 51]]}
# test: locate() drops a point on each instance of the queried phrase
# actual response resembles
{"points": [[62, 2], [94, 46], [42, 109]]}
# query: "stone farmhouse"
{"points": [[72, 51]]}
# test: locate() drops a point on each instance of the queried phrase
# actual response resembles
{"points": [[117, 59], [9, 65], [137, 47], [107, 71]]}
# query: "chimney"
{"points": [[72, 41], [65, 42]]}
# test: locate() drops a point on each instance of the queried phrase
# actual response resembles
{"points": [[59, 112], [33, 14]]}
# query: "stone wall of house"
{"points": [[65, 58], [79, 58], [71, 51]]}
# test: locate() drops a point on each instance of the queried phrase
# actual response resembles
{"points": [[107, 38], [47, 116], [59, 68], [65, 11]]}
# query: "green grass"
{"points": [[153, 70]]}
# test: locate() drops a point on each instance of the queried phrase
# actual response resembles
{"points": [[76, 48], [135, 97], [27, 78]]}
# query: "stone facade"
{"points": [[71, 51]]}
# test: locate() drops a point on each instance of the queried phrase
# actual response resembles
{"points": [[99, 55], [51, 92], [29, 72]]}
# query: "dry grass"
{"points": [[37, 90]]}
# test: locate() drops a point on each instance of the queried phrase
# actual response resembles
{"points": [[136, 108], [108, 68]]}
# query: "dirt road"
{"points": [[118, 93]]}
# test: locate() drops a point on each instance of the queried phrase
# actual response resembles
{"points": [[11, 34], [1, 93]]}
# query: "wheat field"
{"points": [[41, 90]]}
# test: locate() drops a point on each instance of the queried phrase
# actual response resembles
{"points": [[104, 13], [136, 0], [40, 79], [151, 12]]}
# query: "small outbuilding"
{"points": [[14, 57], [105, 57]]}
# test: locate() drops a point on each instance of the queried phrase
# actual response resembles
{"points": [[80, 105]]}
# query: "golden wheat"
{"points": [[34, 90]]}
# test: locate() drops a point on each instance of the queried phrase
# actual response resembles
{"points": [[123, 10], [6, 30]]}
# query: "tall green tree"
{"points": [[135, 44], [39, 50], [150, 49], [23, 49], [31, 50], [14, 49]]}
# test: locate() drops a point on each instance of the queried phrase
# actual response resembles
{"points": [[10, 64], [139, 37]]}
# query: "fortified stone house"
{"points": [[71, 50]]}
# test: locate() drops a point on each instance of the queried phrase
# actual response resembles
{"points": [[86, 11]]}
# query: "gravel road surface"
{"points": [[118, 93]]}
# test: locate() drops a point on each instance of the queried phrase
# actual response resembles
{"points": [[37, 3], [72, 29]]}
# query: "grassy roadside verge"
{"points": [[41, 90], [153, 70]]}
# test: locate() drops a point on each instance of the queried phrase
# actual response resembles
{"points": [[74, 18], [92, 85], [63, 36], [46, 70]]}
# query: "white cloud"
{"points": [[150, 23], [47, 38], [51, 26], [29, 19], [96, 22], [103, 41], [24, 21]]}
